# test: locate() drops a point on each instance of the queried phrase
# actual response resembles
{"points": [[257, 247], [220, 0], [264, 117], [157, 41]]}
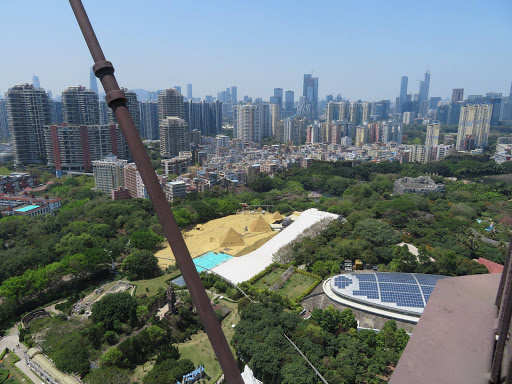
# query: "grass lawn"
{"points": [[6, 361], [269, 279], [296, 285], [199, 349], [5, 171], [152, 285]]}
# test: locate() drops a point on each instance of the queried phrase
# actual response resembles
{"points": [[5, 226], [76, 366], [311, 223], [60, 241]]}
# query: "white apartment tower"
{"points": [[474, 126], [108, 173], [432, 138], [250, 122], [174, 137]]}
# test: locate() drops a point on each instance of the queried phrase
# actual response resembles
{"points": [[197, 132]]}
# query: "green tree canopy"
{"points": [[115, 307]]}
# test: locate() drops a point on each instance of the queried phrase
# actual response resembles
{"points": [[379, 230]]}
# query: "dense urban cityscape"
{"points": [[314, 237]]}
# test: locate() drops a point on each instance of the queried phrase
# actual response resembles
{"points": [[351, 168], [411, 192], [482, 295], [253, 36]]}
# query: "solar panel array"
{"points": [[342, 282], [402, 289]]}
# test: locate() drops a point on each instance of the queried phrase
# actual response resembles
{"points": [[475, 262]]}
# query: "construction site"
{"points": [[235, 235]]}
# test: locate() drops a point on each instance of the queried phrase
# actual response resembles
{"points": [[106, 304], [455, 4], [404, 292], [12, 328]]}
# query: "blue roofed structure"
{"points": [[398, 295]]}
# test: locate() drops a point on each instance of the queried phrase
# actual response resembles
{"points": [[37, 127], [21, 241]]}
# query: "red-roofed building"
{"points": [[491, 265]]}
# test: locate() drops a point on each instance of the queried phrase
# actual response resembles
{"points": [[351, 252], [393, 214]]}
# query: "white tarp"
{"points": [[242, 268]]}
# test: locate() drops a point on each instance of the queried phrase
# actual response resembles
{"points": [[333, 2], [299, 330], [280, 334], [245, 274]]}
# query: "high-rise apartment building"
{"points": [[275, 120], [174, 136], [310, 94], [234, 96], [80, 106], [109, 173], [289, 102], [403, 93], [474, 126], [457, 95], [170, 104], [133, 106], [75, 147], [432, 138], [337, 110], [295, 130], [204, 117], [361, 135], [93, 83], [28, 110], [251, 122], [103, 112], [189, 91], [360, 112], [4, 121], [149, 123], [313, 134]]}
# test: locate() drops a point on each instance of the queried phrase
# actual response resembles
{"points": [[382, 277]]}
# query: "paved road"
{"points": [[11, 342], [486, 239]]}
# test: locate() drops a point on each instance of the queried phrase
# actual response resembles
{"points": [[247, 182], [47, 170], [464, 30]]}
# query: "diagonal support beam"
{"points": [[116, 100]]}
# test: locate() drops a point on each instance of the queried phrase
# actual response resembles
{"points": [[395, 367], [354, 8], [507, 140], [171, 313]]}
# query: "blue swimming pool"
{"points": [[210, 260]]}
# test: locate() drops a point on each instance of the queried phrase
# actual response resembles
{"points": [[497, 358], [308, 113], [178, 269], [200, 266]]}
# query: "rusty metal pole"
{"points": [[504, 274], [116, 100]]}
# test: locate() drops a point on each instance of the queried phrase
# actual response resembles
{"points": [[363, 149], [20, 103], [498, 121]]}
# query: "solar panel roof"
{"points": [[406, 291]]}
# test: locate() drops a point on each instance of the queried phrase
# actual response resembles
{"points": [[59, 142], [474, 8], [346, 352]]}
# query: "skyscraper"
{"points": [[28, 109], [189, 91], [250, 122], [57, 115], [170, 104], [403, 93], [234, 96], [80, 106], [149, 120], [457, 94], [35, 81], [278, 96], [178, 88], [310, 93], [275, 120], [295, 130], [289, 101], [4, 121], [474, 126], [174, 136], [432, 138], [424, 88], [93, 84], [133, 106], [203, 116]]}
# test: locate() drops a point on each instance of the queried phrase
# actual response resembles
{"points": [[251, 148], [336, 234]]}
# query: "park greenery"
{"points": [[329, 340], [66, 255]]}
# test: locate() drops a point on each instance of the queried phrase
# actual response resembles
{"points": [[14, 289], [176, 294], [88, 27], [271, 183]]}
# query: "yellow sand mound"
{"points": [[231, 239], [259, 225], [277, 216], [259, 210]]}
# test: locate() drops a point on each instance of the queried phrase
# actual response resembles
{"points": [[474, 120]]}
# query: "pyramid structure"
{"points": [[231, 239], [259, 210], [277, 216], [259, 225]]}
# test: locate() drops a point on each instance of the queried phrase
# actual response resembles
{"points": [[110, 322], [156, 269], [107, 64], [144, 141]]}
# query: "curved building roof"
{"points": [[406, 293]]}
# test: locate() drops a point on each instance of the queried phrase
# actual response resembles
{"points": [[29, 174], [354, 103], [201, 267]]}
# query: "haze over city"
{"points": [[359, 50]]}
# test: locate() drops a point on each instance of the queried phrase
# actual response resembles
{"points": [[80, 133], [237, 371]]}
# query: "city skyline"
{"points": [[213, 65]]}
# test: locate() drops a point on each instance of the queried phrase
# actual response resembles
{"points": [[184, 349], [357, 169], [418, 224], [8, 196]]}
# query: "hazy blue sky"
{"points": [[359, 49]]}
